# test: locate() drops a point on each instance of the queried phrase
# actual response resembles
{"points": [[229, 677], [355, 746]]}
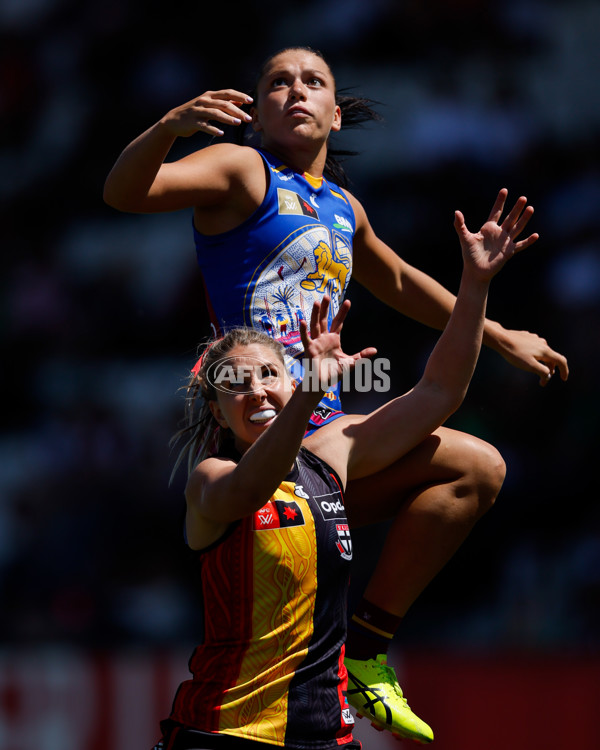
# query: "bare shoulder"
{"points": [[359, 211], [332, 444], [229, 158], [208, 470], [353, 200], [236, 185], [201, 529]]}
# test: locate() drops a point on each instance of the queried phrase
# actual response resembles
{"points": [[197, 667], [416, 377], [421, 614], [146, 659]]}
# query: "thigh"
{"points": [[445, 456]]}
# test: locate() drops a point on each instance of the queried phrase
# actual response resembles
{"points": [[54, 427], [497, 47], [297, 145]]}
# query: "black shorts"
{"points": [[176, 737], [180, 738]]}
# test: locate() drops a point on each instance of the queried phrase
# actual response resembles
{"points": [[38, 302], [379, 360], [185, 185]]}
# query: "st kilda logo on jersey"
{"points": [[344, 542]]}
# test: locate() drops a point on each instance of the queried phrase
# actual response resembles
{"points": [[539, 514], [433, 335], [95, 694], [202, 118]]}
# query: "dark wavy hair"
{"points": [[355, 110]]}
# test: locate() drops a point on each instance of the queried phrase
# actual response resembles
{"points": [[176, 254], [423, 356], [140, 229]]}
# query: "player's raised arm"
{"points": [[417, 295], [225, 491], [382, 437], [140, 180]]}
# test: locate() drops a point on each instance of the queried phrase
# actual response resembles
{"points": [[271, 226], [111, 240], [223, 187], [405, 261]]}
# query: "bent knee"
{"points": [[477, 462], [487, 473], [493, 465]]}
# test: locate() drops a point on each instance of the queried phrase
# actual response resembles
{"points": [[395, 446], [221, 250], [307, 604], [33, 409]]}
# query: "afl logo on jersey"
{"points": [[290, 202], [278, 514]]}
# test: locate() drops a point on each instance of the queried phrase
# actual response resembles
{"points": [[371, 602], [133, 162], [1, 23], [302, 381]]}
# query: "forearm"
{"points": [[265, 464], [390, 432], [422, 298], [452, 361], [395, 282], [494, 335], [395, 428], [425, 300], [133, 174], [413, 293]]}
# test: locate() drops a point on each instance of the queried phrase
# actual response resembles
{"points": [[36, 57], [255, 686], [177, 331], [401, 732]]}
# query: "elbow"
{"points": [[445, 401], [111, 198], [452, 399], [117, 198]]}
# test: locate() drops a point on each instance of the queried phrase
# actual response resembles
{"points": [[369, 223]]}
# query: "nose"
{"points": [[257, 389], [298, 90]]}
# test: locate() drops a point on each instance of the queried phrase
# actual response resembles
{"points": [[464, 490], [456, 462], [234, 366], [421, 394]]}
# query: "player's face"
{"points": [[296, 100], [252, 386]]}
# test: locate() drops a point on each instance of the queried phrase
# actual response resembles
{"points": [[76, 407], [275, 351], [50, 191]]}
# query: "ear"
{"points": [[256, 126], [337, 119], [215, 410]]}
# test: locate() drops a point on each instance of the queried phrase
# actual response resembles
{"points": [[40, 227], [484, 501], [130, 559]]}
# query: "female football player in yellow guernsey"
{"points": [[266, 517], [273, 235]]}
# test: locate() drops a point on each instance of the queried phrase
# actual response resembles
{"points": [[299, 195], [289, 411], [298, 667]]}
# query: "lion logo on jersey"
{"points": [[312, 263], [331, 272]]}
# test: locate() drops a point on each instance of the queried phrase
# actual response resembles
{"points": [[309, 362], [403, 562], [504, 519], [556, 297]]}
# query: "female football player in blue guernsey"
{"points": [[273, 235], [267, 522]]}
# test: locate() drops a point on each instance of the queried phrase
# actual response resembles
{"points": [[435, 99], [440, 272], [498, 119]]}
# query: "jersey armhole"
{"points": [[329, 469], [267, 169], [224, 536]]}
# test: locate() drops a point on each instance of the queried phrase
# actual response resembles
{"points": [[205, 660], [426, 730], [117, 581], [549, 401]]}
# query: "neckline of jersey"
{"points": [[314, 182]]}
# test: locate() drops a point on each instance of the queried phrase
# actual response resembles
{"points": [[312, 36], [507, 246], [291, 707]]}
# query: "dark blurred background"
{"points": [[102, 312]]}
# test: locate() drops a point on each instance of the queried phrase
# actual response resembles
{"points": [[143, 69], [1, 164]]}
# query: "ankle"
{"points": [[370, 631]]}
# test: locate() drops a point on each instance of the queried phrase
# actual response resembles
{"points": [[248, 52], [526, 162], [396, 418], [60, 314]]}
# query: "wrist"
{"points": [[493, 333], [164, 128], [309, 393]]}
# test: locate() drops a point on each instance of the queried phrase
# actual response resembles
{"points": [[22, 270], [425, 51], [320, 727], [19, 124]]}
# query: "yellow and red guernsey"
{"points": [[274, 588]]}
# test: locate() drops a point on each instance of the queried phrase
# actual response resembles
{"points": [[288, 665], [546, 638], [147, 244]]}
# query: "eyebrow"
{"points": [[263, 360], [286, 71]]}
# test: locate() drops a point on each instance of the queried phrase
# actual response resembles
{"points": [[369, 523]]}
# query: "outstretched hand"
{"points": [[222, 106], [487, 250], [531, 353], [323, 348]]}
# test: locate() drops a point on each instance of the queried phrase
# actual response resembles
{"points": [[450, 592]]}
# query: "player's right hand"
{"points": [[222, 106]]}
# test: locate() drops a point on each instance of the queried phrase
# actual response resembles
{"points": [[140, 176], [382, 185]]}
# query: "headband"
{"points": [[198, 366]]}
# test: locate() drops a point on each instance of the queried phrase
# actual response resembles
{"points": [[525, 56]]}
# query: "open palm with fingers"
{"points": [[487, 250], [327, 361], [222, 107]]}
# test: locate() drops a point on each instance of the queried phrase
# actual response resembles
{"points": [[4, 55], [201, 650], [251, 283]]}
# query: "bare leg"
{"points": [[435, 494]]}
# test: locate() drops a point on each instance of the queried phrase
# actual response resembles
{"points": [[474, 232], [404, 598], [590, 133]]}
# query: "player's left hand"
{"points": [[531, 353]]}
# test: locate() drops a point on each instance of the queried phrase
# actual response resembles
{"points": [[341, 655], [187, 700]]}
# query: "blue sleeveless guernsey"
{"points": [[267, 272]]}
